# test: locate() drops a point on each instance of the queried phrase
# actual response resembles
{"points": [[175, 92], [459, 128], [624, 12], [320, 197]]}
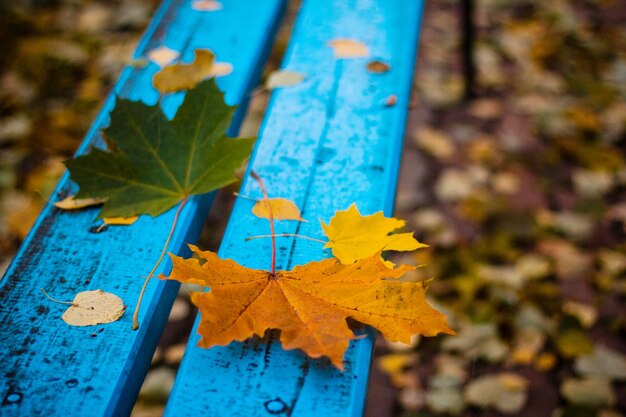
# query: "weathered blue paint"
{"points": [[48, 368], [326, 143]]}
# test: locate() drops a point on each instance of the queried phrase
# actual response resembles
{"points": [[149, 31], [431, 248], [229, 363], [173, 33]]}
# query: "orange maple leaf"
{"points": [[309, 304]]}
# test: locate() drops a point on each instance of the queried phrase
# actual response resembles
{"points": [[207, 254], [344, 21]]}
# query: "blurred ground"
{"points": [[520, 193]]}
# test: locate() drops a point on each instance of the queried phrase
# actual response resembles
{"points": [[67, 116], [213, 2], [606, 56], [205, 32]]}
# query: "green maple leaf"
{"points": [[153, 162]]}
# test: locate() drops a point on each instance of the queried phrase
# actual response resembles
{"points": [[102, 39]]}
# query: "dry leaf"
{"points": [[590, 392], [353, 236], [602, 363], [70, 203], [378, 67], [283, 78], [206, 5], [120, 221], [282, 209], [309, 304], [163, 55], [183, 76], [506, 392], [94, 307], [348, 48], [436, 142]]}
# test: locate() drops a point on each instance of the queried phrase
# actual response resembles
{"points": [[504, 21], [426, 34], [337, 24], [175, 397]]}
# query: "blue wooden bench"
{"points": [[325, 143]]}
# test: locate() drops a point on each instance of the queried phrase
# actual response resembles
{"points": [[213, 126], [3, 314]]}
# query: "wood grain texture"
{"points": [[49, 368], [325, 143]]}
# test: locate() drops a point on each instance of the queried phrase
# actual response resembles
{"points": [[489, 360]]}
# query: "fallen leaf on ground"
{"points": [[505, 392], [206, 5], [378, 67], [160, 162], [592, 392], [163, 55], [283, 78], [603, 363], [586, 314], [120, 221], [282, 209], [71, 203], [445, 400], [348, 48], [94, 307], [309, 304], [436, 142], [182, 76], [352, 236], [574, 342], [478, 341]]}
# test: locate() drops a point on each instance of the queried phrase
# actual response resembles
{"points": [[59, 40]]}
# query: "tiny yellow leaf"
{"points": [[163, 55], [94, 307], [183, 76], [348, 48], [206, 5], [71, 203], [120, 221], [353, 236], [282, 209]]}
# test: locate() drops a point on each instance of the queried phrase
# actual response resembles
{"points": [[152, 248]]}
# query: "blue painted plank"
{"points": [[325, 143], [49, 368]]}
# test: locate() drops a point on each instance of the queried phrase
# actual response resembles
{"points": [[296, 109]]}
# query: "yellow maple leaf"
{"points": [[352, 236], [182, 76], [282, 209], [309, 304]]}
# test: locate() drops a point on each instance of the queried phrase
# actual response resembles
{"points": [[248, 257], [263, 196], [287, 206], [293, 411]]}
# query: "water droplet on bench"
{"points": [[12, 398], [276, 406]]}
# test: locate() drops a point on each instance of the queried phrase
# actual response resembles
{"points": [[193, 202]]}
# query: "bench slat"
{"points": [[325, 143], [49, 368]]}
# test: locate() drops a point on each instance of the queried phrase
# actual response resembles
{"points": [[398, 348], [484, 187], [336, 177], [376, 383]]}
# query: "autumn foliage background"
{"points": [[519, 190]]}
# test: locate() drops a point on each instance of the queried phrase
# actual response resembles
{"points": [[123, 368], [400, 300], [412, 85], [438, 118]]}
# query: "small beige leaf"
{"points": [[163, 55], [348, 48], [120, 221], [206, 5], [94, 307], [70, 203], [283, 78]]}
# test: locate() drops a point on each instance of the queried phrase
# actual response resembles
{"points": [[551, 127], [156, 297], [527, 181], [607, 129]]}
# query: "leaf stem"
{"points": [[151, 274], [287, 235], [271, 214], [57, 301], [236, 194]]}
